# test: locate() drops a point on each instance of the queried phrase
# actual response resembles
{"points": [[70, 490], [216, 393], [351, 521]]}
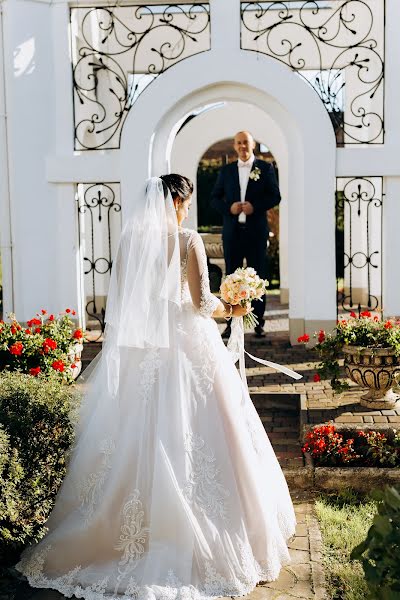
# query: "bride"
{"points": [[173, 489]]}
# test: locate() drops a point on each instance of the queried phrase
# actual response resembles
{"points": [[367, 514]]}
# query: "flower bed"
{"points": [[46, 345], [365, 448]]}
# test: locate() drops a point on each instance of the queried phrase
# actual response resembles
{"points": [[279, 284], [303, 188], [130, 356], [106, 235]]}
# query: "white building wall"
{"points": [[43, 168]]}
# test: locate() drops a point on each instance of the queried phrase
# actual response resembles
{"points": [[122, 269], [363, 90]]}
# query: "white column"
{"points": [[5, 200], [30, 75], [391, 247], [225, 25], [69, 289]]}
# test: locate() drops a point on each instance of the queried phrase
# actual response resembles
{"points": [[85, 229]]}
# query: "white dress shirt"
{"points": [[244, 174]]}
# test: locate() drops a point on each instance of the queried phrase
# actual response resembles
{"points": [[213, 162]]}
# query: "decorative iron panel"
{"points": [[337, 46], [117, 52], [359, 205], [99, 220]]}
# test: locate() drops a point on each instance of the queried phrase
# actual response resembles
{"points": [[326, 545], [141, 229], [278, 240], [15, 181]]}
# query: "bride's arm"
{"points": [[199, 284]]}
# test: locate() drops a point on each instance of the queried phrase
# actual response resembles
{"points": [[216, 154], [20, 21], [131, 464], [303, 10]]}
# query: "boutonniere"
{"points": [[255, 174]]}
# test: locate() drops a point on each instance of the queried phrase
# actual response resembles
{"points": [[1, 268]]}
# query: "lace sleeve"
{"points": [[197, 274]]}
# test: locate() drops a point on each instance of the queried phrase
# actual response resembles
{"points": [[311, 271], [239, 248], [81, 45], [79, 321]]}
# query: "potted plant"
{"points": [[45, 345], [371, 351]]}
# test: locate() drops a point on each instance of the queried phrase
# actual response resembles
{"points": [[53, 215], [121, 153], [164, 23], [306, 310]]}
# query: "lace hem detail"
{"points": [[215, 585]]}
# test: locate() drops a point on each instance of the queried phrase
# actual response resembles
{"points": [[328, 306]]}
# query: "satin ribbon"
{"points": [[236, 348]]}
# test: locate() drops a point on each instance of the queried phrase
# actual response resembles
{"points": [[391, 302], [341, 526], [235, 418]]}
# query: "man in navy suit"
{"points": [[244, 191]]}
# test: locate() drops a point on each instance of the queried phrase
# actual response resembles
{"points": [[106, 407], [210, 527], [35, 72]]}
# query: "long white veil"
{"points": [[144, 290]]}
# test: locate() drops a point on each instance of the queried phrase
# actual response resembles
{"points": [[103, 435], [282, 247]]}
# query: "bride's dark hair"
{"points": [[178, 185]]}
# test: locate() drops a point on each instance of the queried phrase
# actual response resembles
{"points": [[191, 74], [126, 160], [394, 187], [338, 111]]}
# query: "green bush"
{"points": [[379, 552], [36, 431]]}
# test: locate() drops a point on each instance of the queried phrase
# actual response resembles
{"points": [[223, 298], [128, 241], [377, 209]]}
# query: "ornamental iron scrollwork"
{"points": [[99, 225], [359, 204], [337, 46], [117, 52]]}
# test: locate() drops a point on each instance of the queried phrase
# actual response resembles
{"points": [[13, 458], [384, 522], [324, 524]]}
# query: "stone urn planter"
{"points": [[375, 369]]}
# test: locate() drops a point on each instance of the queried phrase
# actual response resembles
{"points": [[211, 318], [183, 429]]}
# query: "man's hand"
{"points": [[247, 208], [236, 208]]}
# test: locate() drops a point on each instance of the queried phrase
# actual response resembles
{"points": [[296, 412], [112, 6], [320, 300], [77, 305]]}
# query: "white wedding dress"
{"points": [[175, 490]]}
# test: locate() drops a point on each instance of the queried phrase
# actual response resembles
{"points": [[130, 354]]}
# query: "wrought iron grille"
{"points": [[99, 226], [337, 46], [359, 206], [117, 52]]}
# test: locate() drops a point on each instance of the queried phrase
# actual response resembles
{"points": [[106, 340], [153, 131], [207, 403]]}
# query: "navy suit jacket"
{"points": [[262, 194]]}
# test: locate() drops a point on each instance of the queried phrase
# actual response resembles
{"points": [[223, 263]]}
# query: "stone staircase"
{"points": [[280, 415]]}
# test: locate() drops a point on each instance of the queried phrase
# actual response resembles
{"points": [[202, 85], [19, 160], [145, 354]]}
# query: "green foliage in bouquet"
{"points": [[45, 346], [36, 431], [365, 331], [379, 552]]}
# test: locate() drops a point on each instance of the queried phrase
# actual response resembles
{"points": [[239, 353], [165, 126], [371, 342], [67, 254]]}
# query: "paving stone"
{"points": [[299, 543], [301, 530]]}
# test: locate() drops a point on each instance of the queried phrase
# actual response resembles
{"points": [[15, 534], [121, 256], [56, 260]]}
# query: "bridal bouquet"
{"points": [[241, 287]]}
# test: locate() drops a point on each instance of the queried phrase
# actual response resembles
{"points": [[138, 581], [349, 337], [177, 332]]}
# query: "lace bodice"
{"points": [[195, 285]]}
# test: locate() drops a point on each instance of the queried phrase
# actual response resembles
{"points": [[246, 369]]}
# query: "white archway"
{"points": [[309, 140], [221, 122]]}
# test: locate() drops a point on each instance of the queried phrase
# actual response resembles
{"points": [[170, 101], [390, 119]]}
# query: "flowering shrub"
{"points": [[365, 331], [366, 448], [36, 431], [41, 348], [379, 552]]}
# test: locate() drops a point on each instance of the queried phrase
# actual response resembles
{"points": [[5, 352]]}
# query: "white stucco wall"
{"points": [[42, 168]]}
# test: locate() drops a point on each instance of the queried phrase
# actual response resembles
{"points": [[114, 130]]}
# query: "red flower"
{"points": [[51, 318], [35, 371], [49, 344], [13, 329], [78, 335], [376, 318], [353, 315], [38, 330], [58, 365], [73, 366], [317, 377], [73, 312], [321, 336], [303, 338], [68, 310], [44, 312], [388, 325], [365, 313], [28, 331], [16, 348], [34, 322]]}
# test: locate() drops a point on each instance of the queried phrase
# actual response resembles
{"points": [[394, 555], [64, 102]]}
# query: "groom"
{"points": [[244, 191]]}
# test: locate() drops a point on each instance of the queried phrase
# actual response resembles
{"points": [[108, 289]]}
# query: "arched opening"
{"points": [[305, 151]]}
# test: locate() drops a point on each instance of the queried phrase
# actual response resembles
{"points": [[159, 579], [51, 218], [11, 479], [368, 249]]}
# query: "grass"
{"points": [[344, 521]]}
